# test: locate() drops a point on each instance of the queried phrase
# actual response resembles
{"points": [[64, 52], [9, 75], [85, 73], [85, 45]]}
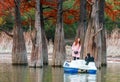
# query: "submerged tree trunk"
{"points": [[93, 42], [36, 54], [59, 46], [82, 25], [44, 47], [19, 53], [44, 40], [89, 43], [101, 21]]}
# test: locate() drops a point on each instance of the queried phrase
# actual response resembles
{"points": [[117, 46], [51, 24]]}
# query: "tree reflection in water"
{"points": [[9, 73]]}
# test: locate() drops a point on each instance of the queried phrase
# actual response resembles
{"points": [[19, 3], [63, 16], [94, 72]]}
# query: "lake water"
{"points": [[9, 73]]}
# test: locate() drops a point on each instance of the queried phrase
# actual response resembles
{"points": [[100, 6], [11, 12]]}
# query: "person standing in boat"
{"points": [[76, 49]]}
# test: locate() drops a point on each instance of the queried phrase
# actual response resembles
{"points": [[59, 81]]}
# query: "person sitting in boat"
{"points": [[76, 49], [89, 58]]}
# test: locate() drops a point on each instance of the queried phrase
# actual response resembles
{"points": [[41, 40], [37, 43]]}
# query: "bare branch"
{"points": [[91, 3], [6, 32], [50, 7], [101, 27], [66, 10], [46, 18]]}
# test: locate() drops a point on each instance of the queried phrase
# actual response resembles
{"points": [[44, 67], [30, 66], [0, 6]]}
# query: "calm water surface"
{"points": [[9, 73]]}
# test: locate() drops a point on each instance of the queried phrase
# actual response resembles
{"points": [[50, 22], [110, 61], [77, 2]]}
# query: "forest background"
{"points": [[112, 26]]}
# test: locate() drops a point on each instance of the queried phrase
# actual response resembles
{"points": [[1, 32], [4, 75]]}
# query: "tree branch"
{"points": [[46, 18], [66, 10], [98, 31], [49, 8], [91, 3], [6, 32]]}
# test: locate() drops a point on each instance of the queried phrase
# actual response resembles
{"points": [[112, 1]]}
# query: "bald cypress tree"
{"points": [[19, 53]]}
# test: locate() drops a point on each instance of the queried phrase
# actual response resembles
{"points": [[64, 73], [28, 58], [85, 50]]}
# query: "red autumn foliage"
{"points": [[70, 16], [113, 14]]}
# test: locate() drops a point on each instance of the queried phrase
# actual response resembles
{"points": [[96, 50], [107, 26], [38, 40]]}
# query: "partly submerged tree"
{"points": [[37, 49], [19, 53], [23, 8], [95, 42], [59, 46], [93, 37], [70, 15], [30, 5], [103, 38]]}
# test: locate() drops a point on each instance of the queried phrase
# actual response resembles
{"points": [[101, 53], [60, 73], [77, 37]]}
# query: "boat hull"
{"points": [[70, 70], [76, 66]]}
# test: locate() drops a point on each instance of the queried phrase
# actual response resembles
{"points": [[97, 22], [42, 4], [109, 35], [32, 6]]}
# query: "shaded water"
{"points": [[9, 73]]}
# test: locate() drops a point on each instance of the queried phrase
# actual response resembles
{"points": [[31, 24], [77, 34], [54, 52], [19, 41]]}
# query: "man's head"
{"points": [[88, 54]]}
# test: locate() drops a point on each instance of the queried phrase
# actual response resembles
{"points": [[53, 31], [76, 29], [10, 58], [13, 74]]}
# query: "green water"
{"points": [[9, 73]]}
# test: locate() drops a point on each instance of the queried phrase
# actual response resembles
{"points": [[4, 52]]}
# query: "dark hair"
{"points": [[76, 41], [88, 54]]}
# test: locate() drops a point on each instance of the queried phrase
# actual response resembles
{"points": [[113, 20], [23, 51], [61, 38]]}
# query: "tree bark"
{"points": [[93, 44], [44, 46], [101, 21], [19, 53], [44, 40], [37, 50], [59, 45], [82, 25]]}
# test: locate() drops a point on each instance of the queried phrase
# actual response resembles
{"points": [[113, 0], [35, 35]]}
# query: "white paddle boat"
{"points": [[76, 66]]}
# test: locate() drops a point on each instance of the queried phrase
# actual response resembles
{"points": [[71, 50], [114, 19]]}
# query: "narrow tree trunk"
{"points": [[59, 46], [44, 40], [45, 49], [101, 21], [104, 51], [98, 36], [19, 53], [82, 25], [37, 60], [33, 58]]}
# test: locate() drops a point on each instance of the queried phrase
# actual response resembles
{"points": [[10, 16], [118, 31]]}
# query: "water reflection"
{"points": [[57, 75], [101, 74], [79, 77], [35, 75], [19, 74], [9, 73]]}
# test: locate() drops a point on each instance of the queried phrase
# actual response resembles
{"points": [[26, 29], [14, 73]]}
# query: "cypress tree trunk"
{"points": [[45, 49], [98, 37], [82, 24], [101, 21], [44, 40], [89, 44], [93, 42], [36, 55], [59, 46], [19, 53]]}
